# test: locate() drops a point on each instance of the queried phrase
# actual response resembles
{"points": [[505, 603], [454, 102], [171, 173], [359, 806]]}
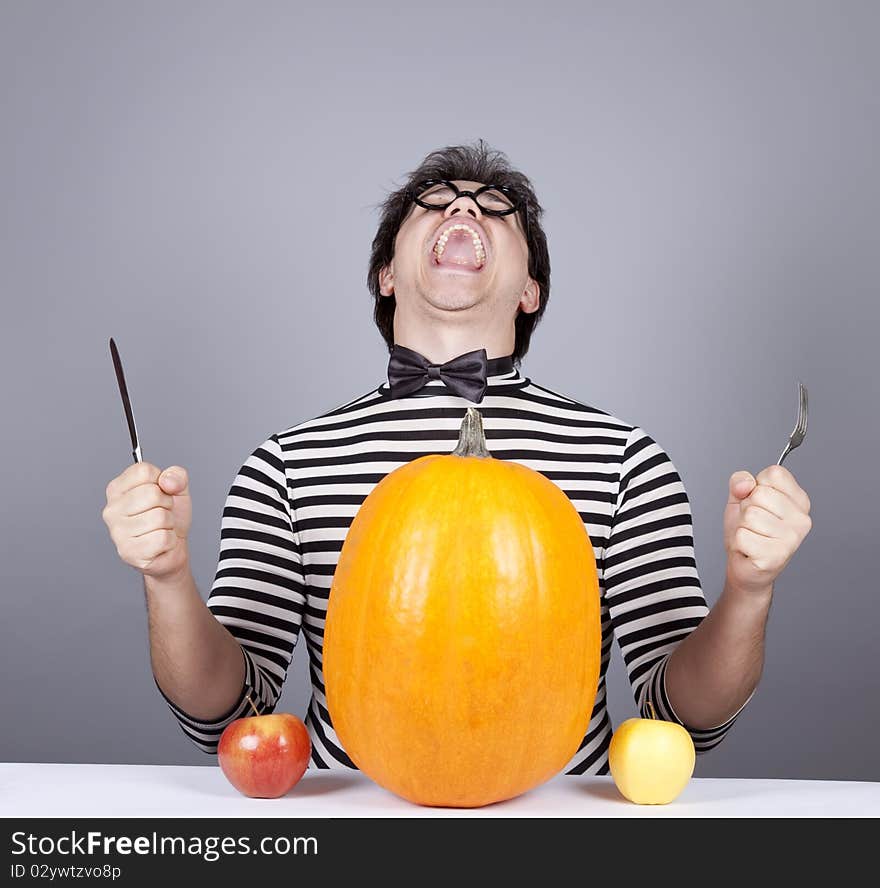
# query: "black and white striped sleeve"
{"points": [[652, 588], [258, 592]]}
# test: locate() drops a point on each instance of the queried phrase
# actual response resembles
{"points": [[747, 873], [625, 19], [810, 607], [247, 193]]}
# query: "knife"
{"points": [[126, 402]]}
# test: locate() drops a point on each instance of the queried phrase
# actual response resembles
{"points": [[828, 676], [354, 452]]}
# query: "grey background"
{"points": [[198, 180]]}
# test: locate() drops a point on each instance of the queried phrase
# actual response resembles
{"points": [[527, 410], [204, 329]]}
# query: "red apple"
{"points": [[264, 756]]}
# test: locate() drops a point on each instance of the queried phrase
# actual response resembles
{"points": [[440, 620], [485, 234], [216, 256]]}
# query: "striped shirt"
{"points": [[291, 504]]}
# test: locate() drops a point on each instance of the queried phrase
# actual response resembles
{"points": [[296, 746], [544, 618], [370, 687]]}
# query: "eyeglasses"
{"points": [[494, 200]]}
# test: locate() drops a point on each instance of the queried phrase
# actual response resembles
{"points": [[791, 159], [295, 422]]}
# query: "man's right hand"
{"points": [[149, 513]]}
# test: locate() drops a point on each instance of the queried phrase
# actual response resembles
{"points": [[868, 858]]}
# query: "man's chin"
{"points": [[450, 297]]}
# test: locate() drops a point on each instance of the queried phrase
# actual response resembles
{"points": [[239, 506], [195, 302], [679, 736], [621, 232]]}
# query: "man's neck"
{"points": [[439, 345]]}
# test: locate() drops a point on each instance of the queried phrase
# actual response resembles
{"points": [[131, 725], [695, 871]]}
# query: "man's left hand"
{"points": [[765, 521]]}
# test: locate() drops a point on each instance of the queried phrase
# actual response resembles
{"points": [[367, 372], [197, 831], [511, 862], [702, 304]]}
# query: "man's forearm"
{"points": [[195, 660], [713, 671]]}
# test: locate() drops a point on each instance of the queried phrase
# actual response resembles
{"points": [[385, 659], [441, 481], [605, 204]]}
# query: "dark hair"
{"points": [[470, 163]]}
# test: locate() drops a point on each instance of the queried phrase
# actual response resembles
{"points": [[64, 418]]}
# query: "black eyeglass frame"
{"points": [[518, 203]]}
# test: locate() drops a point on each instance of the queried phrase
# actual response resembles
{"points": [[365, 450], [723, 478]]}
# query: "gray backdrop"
{"points": [[198, 180]]}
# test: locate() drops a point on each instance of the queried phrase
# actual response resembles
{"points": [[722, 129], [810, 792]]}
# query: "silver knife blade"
{"points": [[126, 402]]}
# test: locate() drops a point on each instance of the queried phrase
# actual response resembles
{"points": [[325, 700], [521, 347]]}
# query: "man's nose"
{"points": [[463, 205]]}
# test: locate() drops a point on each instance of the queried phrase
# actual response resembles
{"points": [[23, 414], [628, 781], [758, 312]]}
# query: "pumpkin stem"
{"points": [[248, 698], [471, 438]]}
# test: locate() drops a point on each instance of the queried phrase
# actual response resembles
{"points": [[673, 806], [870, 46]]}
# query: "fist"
{"points": [[765, 521], [148, 514]]}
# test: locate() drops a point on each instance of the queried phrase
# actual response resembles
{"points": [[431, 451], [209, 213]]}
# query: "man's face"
{"points": [[485, 264]]}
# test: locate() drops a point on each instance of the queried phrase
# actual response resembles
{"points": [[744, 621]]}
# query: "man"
{"points": [[460, 275]]}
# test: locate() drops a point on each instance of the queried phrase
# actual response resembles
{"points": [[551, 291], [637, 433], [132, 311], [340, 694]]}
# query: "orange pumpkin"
{"points": [[463, 638]]}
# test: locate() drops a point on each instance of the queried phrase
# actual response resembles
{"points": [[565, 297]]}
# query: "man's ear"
{"points": [[386, 281], [531, 298]]}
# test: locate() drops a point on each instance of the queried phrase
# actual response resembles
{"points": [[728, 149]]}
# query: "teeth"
{"points": [[479, 251]]}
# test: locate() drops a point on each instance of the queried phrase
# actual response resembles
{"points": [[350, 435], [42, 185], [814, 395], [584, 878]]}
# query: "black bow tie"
{"points": [[408, 371]]}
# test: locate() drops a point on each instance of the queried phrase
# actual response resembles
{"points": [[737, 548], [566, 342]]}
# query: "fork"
{"points": [[800, 427]]}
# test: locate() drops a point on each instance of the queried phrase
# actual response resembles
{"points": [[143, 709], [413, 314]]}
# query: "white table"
{"points": [[77, 790]]}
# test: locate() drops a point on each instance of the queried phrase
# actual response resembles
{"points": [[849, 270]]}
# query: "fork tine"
{"points": [[801, 424], [798, 433]]}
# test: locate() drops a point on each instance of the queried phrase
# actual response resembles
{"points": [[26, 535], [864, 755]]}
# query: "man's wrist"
{"points": [[752, 596], [171, 581]]}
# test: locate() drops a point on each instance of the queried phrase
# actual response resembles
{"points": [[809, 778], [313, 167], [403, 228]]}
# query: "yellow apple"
{"points": [[651, 760]]}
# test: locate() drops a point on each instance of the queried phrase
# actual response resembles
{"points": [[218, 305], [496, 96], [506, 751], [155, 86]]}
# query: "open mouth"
{"points": [[459, 248]]}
